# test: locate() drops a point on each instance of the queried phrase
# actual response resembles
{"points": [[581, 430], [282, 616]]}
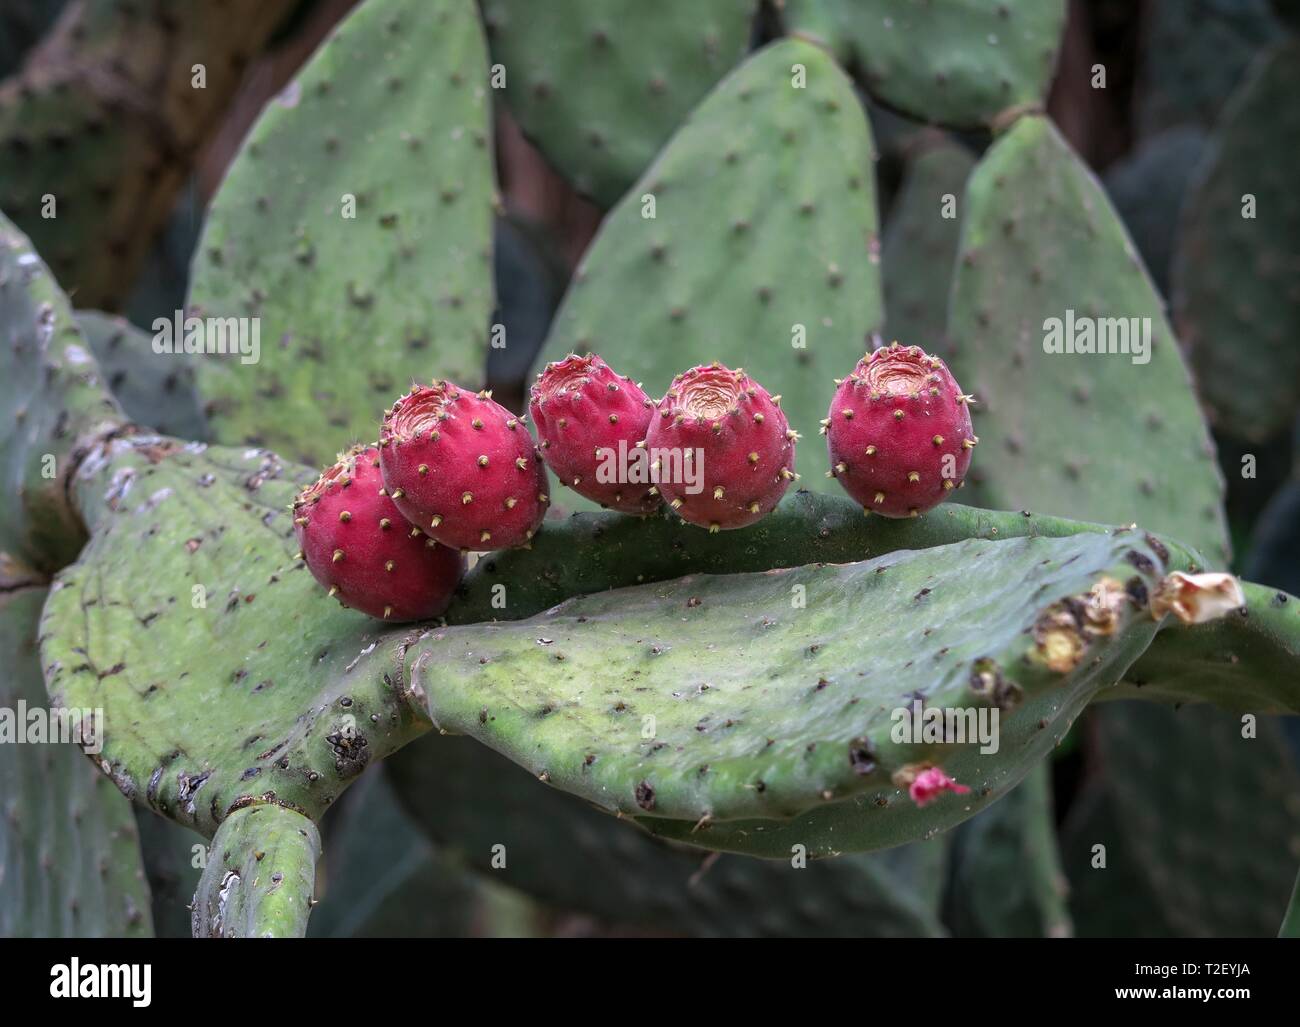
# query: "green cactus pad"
{"points": [[1093, 435], [1118, 901], [105, 121], [473, 799], [765, 224], [259, 876], [1247, 662], [952, 62], [921, 244], [886, 817], [392, 110], [1207, 819], [600, 87], [1148, 187], [760, 698], [225, 673], [52, 402], [1234, 292], [1006, 879], [69, 853], [1194, 55], [618, 551], [154, 389]]}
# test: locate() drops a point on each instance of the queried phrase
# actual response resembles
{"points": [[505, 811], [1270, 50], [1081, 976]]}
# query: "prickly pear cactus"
{"points": [[375, 267], [1006, 878], [482, 806], [1195, 53], [105, 120], [259, 877], [1148, 188], [921, 242], [805, 528], [1238, 258], [1240, 662], [191, 542], [69, 852], [1042, 257], [703, 699], [52, 401], [1212, 846], [639, 700], [960, 63], [600, 87], [157, 393], [788, 285]]}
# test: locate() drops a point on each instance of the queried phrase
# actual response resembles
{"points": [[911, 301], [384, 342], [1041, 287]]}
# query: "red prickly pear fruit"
{"points": [[721, 448], [357, 544], [898, 432], [588, 420], [462, 468]]}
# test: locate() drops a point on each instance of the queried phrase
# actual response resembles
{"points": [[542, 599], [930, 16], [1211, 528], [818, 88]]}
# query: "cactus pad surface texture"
{"points": [[376, 264]]}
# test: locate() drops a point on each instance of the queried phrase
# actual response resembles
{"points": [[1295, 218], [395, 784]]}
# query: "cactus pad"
{"points": [[788, 283], [646, 701], [953, 62], [69, 852], [105, 120], [805, 528], [1194, 55], [52, 401], [287, 696], [921, 244], [259, 876], [1248, 661], [1235, 297], [600, 87], [474, 799], [154, 390], [1006, 879], [391, 112], [1214, 844], [1039, 240]]}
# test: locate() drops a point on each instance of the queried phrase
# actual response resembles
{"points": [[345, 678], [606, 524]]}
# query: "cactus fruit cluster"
{"points": [[652, 660], [456, 472]]}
